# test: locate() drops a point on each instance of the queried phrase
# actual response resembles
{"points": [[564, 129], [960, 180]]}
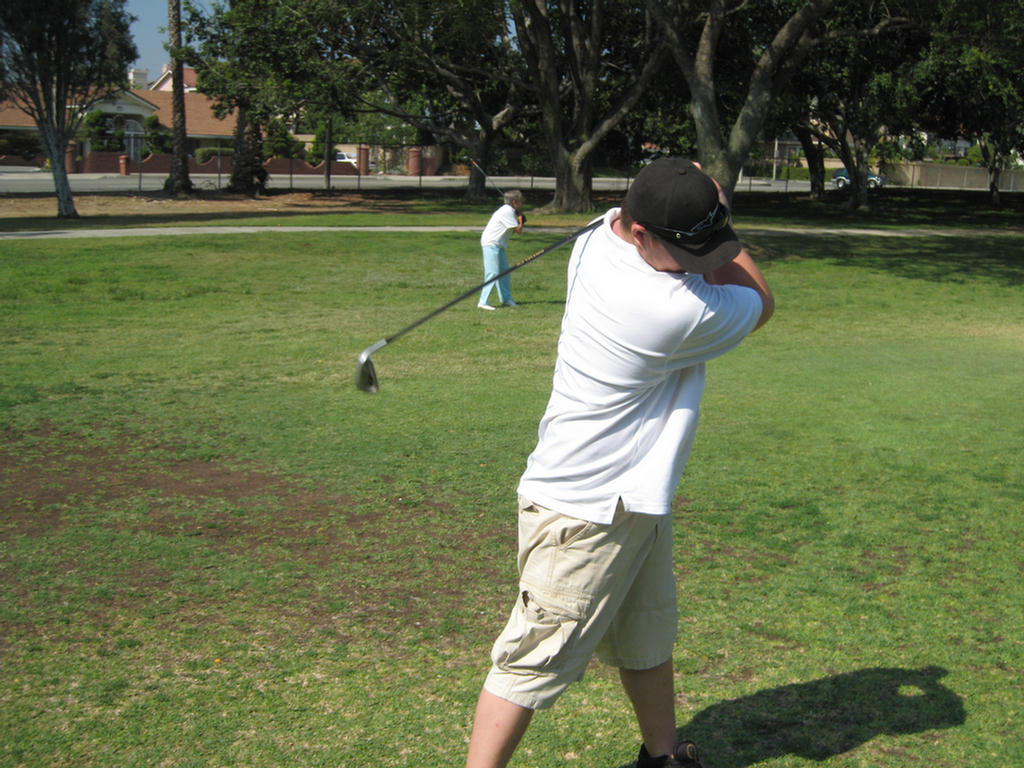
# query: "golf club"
{"points": [[366, 373], [477, 166]]}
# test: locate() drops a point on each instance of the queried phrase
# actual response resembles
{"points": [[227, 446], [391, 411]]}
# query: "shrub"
{"points": [[101, 133], [158, 138], [280, 143], [24, 145], [206, 153]]}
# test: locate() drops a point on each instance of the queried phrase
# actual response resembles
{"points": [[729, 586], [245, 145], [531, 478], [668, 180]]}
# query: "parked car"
{"points": [[841, 179], [345, 157]]}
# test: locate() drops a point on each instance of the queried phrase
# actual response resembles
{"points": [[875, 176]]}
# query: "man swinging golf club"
{"points": [[507, 219], [658, 288]]}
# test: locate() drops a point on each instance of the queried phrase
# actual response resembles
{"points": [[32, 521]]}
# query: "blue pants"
{"points": [[495, 262]]}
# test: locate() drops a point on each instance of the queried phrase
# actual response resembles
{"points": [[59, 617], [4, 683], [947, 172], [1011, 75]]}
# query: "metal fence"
{"points": [[15, 180]]}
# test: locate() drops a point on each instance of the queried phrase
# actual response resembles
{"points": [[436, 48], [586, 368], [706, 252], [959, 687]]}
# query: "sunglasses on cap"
{"points": [[716, 220]]}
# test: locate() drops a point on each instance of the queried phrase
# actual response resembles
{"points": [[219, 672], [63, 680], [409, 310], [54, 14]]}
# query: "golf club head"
{"points": [[366, 373], [366, 377]]}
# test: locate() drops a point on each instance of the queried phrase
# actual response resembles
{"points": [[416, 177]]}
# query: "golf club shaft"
{"points": [[477, 166], [478, 288], [366, 372]]}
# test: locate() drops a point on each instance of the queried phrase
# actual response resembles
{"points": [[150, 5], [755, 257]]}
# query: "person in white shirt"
{"points": [[662, 286], [507, 219]]}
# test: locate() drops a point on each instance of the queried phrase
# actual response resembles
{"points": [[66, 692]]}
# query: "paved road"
{"points": [[236, 230], [16, 180]]}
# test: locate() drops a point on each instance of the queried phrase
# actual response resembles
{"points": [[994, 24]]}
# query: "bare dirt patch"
{"points": [[366, 554], [44, 475], [42, 206]]}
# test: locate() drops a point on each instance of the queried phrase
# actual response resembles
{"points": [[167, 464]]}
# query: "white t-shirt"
{"points": [[628, 380], [499, 227]]}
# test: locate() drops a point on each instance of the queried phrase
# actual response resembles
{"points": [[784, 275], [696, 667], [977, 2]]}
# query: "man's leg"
{"points": [[652, 694], [504, 283], [497, 729], [490, 254]]}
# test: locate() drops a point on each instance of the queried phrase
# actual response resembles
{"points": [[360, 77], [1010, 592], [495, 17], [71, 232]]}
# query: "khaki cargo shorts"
{"points": [[584, 589]]}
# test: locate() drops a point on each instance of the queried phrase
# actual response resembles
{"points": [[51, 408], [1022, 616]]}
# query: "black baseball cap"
{"points": [[678, 203]]}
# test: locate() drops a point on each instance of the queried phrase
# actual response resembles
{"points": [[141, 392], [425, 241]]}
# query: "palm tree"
{"points": [[178, 183]]}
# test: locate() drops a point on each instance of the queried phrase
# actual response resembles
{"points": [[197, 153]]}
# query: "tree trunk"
{"points": [[815, 160], [328, 151], [860, 183], [56, 149], [563, 56], [993, 188], [178, 183], [846, 148], [239, 160], [723, 156], [65, 199], [990, 155], [247, 173], [477, 189], [573, 178]]}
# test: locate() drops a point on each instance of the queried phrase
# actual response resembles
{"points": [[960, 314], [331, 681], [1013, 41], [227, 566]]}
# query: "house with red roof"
{"points": [[129, 110]]}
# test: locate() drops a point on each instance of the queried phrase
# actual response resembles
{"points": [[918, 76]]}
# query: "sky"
{"points": [[150, 33]]}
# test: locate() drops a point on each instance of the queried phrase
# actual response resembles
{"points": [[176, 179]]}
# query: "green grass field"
{"points": [[216, 551]]}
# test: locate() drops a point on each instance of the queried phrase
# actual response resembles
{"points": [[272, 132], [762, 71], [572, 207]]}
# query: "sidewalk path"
{"points": [[243, 230], [213, 230]]}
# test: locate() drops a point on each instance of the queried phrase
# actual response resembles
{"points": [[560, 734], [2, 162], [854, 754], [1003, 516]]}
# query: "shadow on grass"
{"points": [[948, 259], [825, 717], [897, 207], [278, 205]]}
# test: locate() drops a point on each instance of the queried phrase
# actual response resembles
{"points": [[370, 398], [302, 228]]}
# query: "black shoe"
{"points": [[684, 755]]}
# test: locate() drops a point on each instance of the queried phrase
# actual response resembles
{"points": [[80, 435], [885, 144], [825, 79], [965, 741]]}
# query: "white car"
{"points": [[345, 157]]}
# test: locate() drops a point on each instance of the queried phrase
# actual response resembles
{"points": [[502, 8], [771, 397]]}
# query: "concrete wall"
{"points": [[942, 176]]}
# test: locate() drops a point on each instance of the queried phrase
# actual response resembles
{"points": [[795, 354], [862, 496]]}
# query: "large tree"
{"points": [[232, 49], [455, 76], [857, 90], [270, 60], [178, 182], [61, 57], [588, 64], [736, 56], [972, 81], [328, 80]]}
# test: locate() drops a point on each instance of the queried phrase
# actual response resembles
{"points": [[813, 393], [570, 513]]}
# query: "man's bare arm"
{"points": [[743, 271]]}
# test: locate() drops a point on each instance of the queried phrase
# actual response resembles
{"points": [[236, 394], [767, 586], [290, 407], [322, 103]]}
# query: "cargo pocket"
{"points": [[536, 637]]}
